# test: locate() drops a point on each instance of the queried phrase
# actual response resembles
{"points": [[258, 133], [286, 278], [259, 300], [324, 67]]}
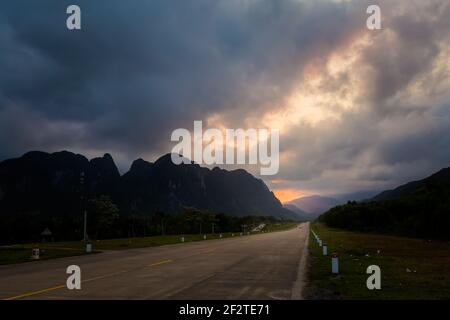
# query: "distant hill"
{"points": [[302, 214], [314, 205], [49, 184], [436, 182], [419, 209], [354, 196]]}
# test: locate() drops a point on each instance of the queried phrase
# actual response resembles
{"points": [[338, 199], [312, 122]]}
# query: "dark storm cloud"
{"points": [[408, 52], [139, 69]]}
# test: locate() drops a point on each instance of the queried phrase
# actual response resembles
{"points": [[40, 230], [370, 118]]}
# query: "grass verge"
{"points": [[22, 253], [410, 268]]}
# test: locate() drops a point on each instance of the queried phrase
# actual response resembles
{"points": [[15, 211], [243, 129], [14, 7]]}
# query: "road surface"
{"points": [[265, 266]]}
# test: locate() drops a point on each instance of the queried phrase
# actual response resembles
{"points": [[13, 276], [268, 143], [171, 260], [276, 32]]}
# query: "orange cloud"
{"points": [[286, 195]]}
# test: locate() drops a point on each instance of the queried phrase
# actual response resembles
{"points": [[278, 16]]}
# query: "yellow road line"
{"points": [[33, 293], [62, 286], [160, 263]]}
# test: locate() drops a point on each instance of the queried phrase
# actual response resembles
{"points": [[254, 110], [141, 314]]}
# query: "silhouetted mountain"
{"points": [[435, 183], [314, 205], [164, 186], [49, 184], [354, 196], [103, 176], [302, 214], [420, 208]]}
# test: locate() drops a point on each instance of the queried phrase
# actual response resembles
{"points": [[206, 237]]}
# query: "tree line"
{"points": [[105, 221], [425, 215]]}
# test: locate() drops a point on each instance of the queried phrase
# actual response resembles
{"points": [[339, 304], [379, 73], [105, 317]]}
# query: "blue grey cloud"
{"points": [[139, 69]]}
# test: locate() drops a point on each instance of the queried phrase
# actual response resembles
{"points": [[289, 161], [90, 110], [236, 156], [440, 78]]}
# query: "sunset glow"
{"points": [[286, 195]]}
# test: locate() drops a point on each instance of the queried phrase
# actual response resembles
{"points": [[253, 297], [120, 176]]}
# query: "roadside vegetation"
{"points": [[51, 250], [22, 253], [105, 221], [417, 209], [410, 268]]}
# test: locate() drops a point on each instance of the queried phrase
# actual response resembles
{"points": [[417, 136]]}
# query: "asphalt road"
{"points": [[265, 266]]}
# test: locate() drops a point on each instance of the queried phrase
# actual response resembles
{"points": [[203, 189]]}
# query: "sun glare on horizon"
{"points": [[286, 195]]}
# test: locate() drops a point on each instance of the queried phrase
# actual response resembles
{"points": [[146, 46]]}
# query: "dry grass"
{"points": [[411, 268]]}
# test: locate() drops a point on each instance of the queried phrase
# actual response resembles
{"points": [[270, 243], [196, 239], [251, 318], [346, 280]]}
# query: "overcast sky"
{"points": [[356, 109]]}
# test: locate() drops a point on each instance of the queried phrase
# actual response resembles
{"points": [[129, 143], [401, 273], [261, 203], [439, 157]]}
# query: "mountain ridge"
{"points": [[313, 205], [50, 181], [440, 177]]}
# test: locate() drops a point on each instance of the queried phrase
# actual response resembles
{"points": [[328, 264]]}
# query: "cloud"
{"points": [[393, 127], [356, 109]]}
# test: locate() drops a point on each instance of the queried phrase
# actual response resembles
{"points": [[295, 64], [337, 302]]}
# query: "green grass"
{"points": [[428, 261], [141, 242], [22, 253]]}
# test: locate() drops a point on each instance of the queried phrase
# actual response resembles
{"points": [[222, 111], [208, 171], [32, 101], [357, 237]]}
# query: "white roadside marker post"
{"points": [[204, 237], [324, 249], [334, 263], [320, 243], [35, 254], [182, 239], [220, 236], [88, 247]]}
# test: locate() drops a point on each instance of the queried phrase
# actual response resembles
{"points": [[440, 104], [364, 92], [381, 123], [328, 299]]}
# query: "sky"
{"points": [[357, 109]]}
